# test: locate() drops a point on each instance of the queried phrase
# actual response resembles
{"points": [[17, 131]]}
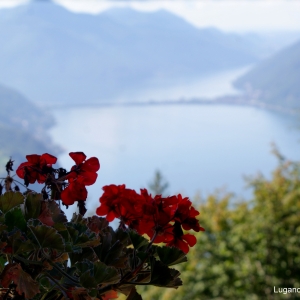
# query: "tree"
{"points": [[158, 186], [248, 248]]}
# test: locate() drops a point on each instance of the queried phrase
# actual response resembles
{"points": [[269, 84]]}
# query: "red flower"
{"points": [[85, 170], [119, 202], [36, 168], [180, 240], [186, 215], [73, 192], [82, 174], [158, 212], [160, 218], [109, 201], [183, 242]]}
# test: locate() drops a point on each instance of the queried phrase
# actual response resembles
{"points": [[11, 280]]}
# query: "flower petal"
{"points": [[92, 165], [48, 158], [88, 178], [66, 197], [190, 239], [78, 157], [33, 158], [20, 171]]}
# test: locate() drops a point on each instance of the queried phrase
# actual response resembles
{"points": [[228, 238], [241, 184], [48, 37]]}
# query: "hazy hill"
{"points": [[53, 55], [275, 80], [23, 127]]}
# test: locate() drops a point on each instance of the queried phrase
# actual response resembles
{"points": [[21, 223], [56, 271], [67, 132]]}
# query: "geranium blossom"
{"points": [[75, 191], [84, 170], [81, 175], [186, 215], [119, 202], [161, 218], [183, 242], [36, 168]]}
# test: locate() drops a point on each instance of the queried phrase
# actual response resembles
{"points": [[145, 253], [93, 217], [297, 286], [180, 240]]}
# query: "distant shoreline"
{"points": [[239, 100]]}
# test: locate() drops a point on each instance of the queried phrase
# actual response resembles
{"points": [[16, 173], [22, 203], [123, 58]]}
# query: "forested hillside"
{"points": [[84, 58], [275, 80], [23, 127]]}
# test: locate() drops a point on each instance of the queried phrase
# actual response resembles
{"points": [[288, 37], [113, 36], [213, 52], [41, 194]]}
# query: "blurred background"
{"points": [[199, 92]]}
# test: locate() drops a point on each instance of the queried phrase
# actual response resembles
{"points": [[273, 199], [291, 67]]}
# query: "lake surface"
{"points": [[198, 148], [205, 87]]}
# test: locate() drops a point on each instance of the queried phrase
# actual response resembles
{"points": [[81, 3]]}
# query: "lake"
{"points": [[197, 148]]}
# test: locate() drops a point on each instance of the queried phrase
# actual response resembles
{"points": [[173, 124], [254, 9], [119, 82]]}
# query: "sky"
{"points": [[228, 15]]}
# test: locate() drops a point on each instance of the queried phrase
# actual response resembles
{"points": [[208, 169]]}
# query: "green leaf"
{"points": [[112, 253], [51, 214], [171, 255], [80, 235], [57, 214], [72, 233], [86, 253], [48, 237], [84, 266], [86, 271], [62, 230], [87, 241], [33, 205], [34, 222], [78, 218], [104, 274], [116, 256], [138, 241], [103, 248], [93, 274], [10, 200], [121, 235], [97, 224], [67, 280], [163, 276], [142, 255], [83, 240], [15, 218], [87, 280], [19, 244], [60, 227], [70, 236]]}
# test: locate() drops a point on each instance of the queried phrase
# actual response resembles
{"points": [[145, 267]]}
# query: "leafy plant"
{"points": [[45, 256], [251, 248]]}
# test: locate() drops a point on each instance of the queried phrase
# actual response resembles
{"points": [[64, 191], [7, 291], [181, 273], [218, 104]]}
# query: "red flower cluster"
{"points": [[36, 168], [161, 218], [81, 175], [39, 168]]}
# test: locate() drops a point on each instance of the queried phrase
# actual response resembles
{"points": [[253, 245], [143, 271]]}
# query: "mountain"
{"points": [[56, 56], [23, 128], [275, 80]]}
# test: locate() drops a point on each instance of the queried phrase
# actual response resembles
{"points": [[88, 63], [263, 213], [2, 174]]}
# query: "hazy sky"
{"points": [[238, 15]]}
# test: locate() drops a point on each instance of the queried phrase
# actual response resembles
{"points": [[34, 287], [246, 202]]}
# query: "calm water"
{"points": [[206, 87], [198, 148]]}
